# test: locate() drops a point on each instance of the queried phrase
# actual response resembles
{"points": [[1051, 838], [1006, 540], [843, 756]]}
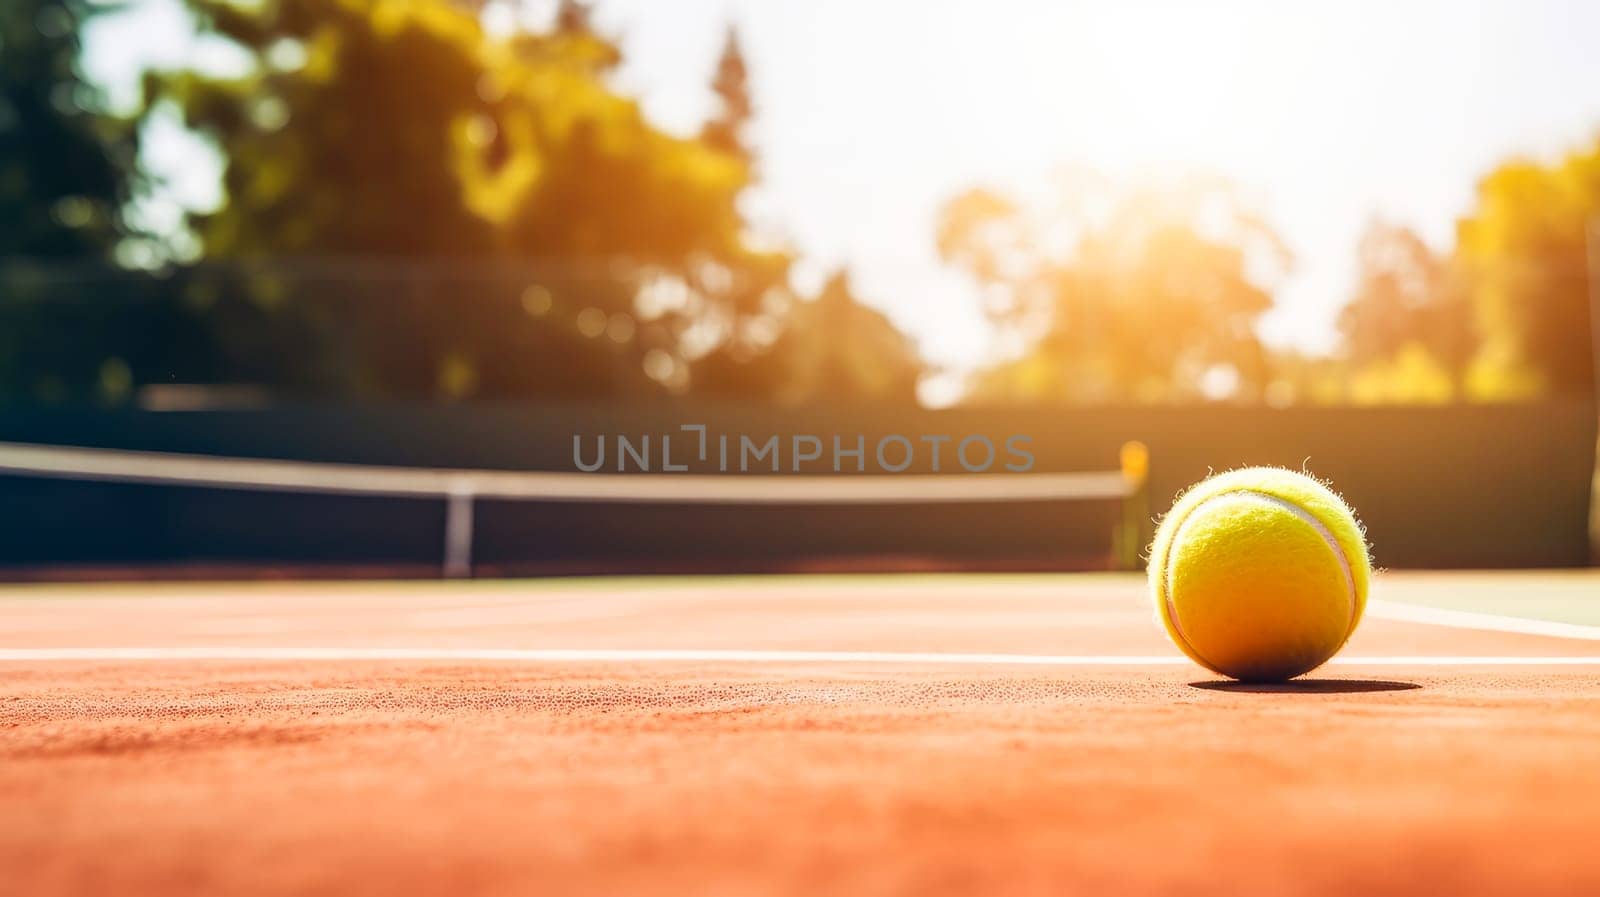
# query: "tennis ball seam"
{"points": [[1317, 526]]}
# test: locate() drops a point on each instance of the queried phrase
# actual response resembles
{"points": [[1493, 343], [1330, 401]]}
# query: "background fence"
{"points": [[1457, 486]]}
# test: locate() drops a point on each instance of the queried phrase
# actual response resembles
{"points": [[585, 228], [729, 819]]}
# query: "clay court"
{"points": [[741, 735]]}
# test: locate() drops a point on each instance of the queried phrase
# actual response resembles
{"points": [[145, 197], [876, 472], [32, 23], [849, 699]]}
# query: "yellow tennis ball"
{"points": [[1260, 574]]}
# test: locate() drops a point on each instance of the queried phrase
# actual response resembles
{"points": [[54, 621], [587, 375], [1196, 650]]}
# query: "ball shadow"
{"points": [[1307, 686]]}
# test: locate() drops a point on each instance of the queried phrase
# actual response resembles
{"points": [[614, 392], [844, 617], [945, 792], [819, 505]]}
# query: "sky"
{"points": [[872, 113]]}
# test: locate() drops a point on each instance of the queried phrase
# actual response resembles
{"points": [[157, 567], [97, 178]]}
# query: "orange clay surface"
{"points": [[350, 776]]}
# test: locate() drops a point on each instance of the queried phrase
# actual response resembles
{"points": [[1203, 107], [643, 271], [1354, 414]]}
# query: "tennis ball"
{"points": [[1260, 574]]}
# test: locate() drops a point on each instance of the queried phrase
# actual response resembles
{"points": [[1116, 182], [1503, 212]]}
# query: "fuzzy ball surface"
{"points": [[1260, 574]]}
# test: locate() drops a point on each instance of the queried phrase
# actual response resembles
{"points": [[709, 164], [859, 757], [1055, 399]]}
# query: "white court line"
{"points": [[623, 655], [1379, 609], [1461, 619]]}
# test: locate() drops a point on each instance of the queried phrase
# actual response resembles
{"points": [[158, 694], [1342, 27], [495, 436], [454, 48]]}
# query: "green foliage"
{"points": [[65, 167], [397, 134], [66, 170], [376, 127]]}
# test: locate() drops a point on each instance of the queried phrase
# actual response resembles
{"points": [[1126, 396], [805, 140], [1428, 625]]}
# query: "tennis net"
{"points": [[598, 504]]}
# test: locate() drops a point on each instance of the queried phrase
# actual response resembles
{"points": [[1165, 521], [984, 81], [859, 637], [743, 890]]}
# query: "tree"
{"points": [[573, 40], [845, 350], [1105, 295], [67, 166], [833, 348], [727, 127], [388, 138], [1408, 297], [71, 328], [1523, 251], [572, 17]]}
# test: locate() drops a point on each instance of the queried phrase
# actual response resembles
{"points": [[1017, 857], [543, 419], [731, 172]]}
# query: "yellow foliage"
{"points": [[1033, 377], [322, 56], [1497, 375], [390, 17], [1412, 377], [457, 376], [1329, 389], [1524, 247], [496, 193]]}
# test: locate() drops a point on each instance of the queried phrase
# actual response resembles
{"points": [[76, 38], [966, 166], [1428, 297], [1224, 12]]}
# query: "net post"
{"points": [[1132, 532], [458, 533], [1592, 257]]}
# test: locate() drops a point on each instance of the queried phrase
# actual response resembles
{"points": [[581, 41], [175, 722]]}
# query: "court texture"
{"points": [[850, 734]]}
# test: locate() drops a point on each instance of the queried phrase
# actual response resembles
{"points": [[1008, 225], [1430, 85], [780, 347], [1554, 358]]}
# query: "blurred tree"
{"points": [[381, 130], [833, 348], [72, 326], [1523, 251], [67, 166], [573, 41], [1098, 295], [730, 84], [845, 351], [1411, 376], [1408, 298], [572, 17]]}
